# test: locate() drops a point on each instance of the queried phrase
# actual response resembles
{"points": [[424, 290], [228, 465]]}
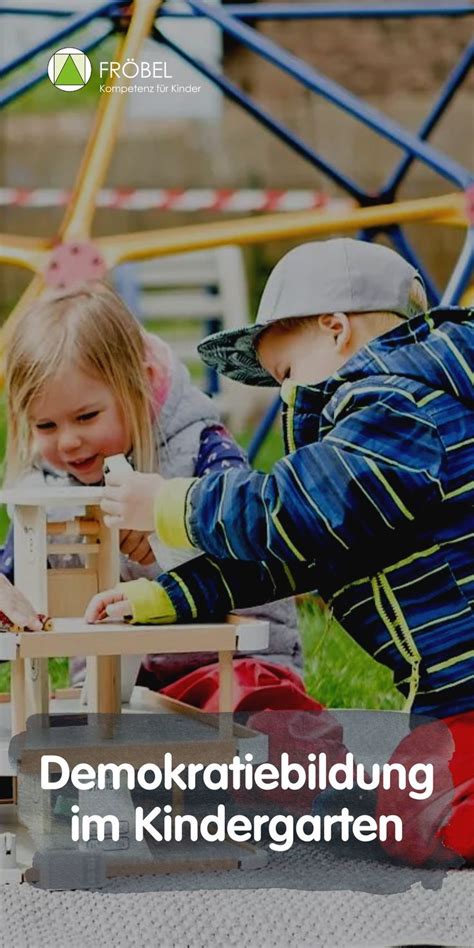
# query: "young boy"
{"points": [[373, 504]]}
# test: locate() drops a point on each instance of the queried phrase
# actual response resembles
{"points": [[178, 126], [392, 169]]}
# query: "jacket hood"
{"points": [[435, 349]]}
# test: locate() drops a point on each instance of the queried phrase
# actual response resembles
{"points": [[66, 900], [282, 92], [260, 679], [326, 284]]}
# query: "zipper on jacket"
{"points": [[289, 434], [386, 601]]}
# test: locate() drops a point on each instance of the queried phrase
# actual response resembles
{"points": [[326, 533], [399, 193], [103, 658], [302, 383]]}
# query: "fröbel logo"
{"points": [[69, 69]]}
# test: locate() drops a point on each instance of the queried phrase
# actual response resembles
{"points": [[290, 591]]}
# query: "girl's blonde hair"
{"points": [[90, 328]]}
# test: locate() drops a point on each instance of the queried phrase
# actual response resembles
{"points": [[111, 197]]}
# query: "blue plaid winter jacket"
{"points": [[373, 506]]}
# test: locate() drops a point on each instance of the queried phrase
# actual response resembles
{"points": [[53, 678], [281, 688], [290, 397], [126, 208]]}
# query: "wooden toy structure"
{"points": [[77, 530]]}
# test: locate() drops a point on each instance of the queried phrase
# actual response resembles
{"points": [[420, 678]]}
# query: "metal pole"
{"points": [[336, 94], [289, 11], [326, 11], [403, 245], [278, 128], [75, 23], [462, 272], [451, 86], [11, 94]]}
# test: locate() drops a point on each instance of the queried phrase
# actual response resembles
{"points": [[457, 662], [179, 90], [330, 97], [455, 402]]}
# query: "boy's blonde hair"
{"points": [[91, 328], [375, 324]]}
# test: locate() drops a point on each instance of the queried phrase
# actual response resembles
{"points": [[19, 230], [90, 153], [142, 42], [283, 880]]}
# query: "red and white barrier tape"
{"points": [[192, 199]]}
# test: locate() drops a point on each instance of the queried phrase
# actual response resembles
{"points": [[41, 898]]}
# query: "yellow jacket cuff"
{"points": [[170, 512], [149, 601]]}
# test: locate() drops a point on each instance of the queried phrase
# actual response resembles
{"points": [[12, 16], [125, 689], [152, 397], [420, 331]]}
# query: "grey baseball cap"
{"points": [[324, 276]]}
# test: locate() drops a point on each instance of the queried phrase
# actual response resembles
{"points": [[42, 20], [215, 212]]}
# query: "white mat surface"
{"points": [[257, 919]]}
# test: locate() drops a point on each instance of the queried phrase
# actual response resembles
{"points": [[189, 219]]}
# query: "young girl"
{"points": [[85, 382]]}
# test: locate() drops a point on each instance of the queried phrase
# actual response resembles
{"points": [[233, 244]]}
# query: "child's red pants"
{"points": [[435, 829]]}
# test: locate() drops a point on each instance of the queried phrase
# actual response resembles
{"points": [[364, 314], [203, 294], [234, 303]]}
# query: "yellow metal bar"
{"points": [[28, 252], [99, 150], [467, 299], [116, 249]]}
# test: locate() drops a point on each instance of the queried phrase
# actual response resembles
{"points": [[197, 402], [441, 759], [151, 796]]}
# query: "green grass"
{"points": [[337, 671], [58, 672]]}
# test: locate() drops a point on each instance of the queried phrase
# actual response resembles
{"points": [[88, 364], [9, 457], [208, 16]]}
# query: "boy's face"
{"points": [[310, 352]]}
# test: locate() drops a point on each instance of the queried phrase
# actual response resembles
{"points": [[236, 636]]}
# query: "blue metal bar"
{"points": [[11, 94], [73, 24], [125, 280], [292, 11], [402, 244], [61, 13], [452, 84], [263, 429], [34, 11], [326, 11], [281, 131], [336, 94], [462, 273]]}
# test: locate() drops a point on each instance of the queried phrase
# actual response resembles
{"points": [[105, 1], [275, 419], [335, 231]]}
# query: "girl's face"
{"points": [[77, 422]]}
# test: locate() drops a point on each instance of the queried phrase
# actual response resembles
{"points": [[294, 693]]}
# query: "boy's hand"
{"points": [[17, 608], [135, 545], [129, 500], [111, 604]]}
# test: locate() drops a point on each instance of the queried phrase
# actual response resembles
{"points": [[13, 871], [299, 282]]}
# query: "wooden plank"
{"points": [[66, 694], [29, 537], [226, 682], [8, 646], [52, 496], [70, 590], [103, 681], [226, 694], [18, 697], [253, 635], [68, 548], [103, 685], [81, 525], [75, 637]]}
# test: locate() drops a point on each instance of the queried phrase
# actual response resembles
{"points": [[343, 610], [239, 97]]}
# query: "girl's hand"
{"points": [[17, 608], [129, 500], [108, 605], [135, 545]]}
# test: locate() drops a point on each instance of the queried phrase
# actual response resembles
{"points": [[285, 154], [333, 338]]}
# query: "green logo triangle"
{"points": [[69, 75]]}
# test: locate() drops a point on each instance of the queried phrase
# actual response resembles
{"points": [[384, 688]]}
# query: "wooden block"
{"points": [[226, 682], [226, 691], [108, 561], [82, 549], [18, 696], [66, 694], [103, 684], [70, 590], [81, 525]]}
